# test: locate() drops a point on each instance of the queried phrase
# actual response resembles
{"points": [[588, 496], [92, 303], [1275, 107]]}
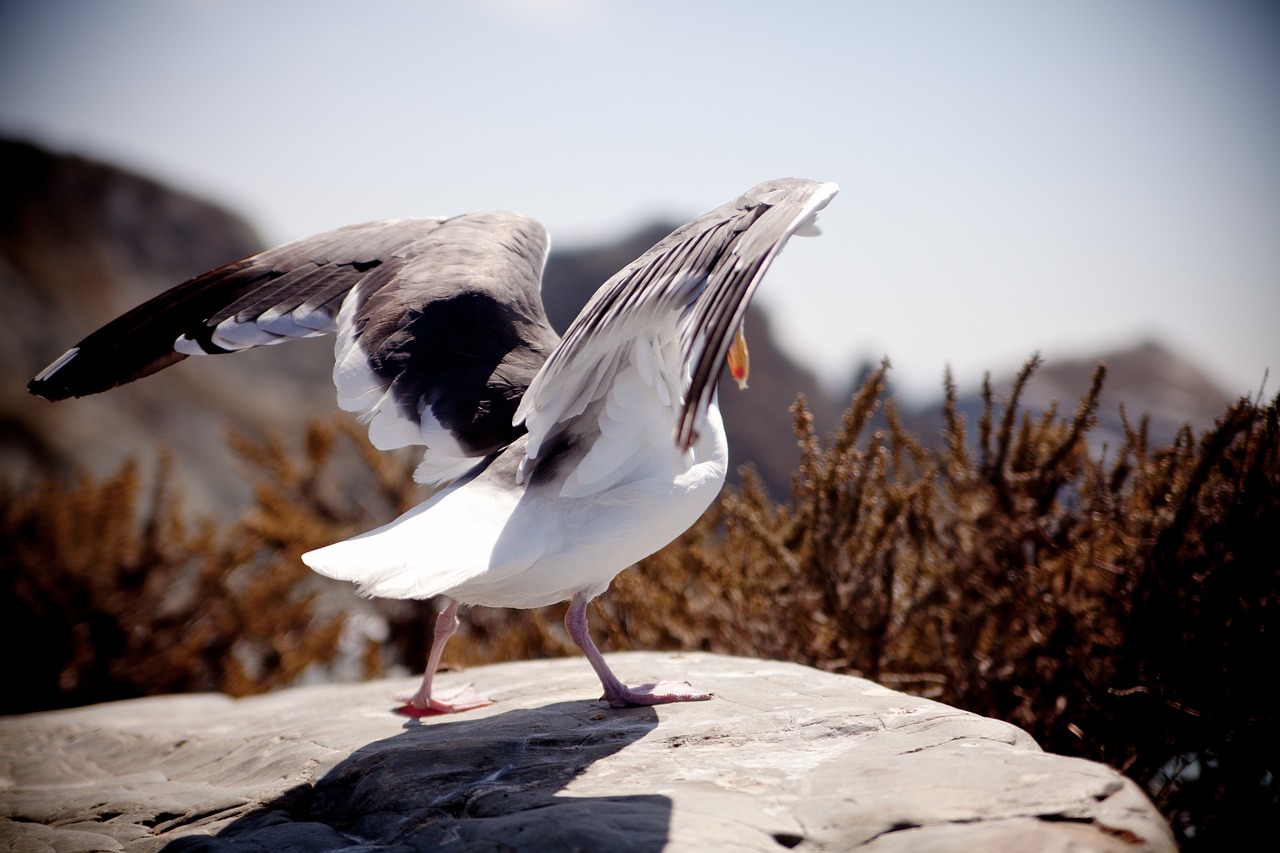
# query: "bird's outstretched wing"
{"points": [[440, 327], [664, 322]]}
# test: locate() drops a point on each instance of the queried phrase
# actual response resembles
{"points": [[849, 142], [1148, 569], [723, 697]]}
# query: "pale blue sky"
{"points": [[1060, 175]]}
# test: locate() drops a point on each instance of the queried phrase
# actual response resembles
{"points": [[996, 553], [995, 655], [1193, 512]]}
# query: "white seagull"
{"points": [[559, 461]]}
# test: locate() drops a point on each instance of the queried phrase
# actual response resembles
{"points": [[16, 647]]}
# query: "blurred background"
{"points": [[1069, 176], [1086, 179]]}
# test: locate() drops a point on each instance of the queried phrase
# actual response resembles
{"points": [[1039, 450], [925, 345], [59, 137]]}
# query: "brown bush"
{"points": [[112, 599], [115, 594], [1120, 608], [1123, 611]]}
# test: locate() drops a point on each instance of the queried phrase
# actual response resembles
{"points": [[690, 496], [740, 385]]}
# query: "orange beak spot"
{"points": [[739, 359]]}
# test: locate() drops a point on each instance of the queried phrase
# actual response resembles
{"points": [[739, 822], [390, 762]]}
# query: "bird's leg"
{"points": [[422, 703], [616, 693]]}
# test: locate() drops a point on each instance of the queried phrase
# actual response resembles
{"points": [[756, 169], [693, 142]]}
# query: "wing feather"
{"points": [[440, 327], [442, 339], [693, 286]]}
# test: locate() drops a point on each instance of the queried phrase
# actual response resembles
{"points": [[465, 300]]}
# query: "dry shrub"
{"points": [[114, 593], [1124, 611], [1120, 608], [112, 597]]}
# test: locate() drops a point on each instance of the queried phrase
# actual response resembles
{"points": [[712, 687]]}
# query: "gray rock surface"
{"points": [[783, 757]]}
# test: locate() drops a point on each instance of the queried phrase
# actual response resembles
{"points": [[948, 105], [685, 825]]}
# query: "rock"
{"points": [[783, 757]]}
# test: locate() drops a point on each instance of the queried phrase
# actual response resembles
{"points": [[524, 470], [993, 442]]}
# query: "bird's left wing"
{"points": [[672, 310], [439, 322], [289, 292]]}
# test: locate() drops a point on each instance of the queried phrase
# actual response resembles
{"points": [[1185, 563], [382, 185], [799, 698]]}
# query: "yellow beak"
{"points": [[739, 359]]}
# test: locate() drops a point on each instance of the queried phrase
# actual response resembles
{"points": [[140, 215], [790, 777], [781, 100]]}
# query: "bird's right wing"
{"points": [[665, 321]]}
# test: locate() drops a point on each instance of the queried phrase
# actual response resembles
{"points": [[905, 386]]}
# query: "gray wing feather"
{"points": [[706, 271], [446, 313]]}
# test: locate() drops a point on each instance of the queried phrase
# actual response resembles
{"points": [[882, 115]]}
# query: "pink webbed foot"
{"points": [[426, 702], [616, 693], [654, 694], [442, 702]]}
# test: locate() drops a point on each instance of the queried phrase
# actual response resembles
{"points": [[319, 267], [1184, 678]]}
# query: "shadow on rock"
{"points": [[481, 784]]}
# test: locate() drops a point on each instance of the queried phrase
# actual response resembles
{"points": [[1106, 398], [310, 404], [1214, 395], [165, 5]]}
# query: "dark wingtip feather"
{"points": [[77, 373], [139, 342], [47, 390], [45, 385]]}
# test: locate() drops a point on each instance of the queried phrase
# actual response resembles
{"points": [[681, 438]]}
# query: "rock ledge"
{"points": [[784, 757]]}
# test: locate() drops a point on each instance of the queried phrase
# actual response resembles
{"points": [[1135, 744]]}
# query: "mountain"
{"points": [[81, 242], [1146, 379]]}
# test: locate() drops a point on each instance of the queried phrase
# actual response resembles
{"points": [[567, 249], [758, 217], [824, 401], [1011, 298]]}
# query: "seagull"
{"points": [[557, 462]]}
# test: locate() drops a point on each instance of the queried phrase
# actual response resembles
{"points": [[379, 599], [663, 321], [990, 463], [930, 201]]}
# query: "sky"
{"points": [[1061, 176]]}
